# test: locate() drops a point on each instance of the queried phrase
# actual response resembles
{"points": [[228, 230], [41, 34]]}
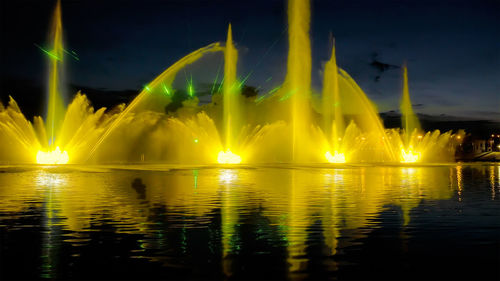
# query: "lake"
{"points": [[317, 222]]}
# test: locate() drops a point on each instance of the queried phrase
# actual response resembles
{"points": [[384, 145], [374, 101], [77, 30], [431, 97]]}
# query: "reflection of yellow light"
{"points": [[419, 137], [228, 157], [336, 158], [227, 176], [409, 156], [52, 157], [459, 137]]}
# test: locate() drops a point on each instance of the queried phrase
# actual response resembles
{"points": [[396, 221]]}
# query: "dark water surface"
{"points": [[281, 222]]}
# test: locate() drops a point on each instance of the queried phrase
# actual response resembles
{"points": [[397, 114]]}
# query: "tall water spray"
{"points": [[333, 119], [298, 77], [408, 118], [231, 96], [55, 108]]}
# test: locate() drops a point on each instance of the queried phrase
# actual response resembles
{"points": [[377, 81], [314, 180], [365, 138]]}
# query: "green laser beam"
{"points": [[72, 54], [288, 95], [275, 89], [245, 79], [190, 87], [221, 83], [261, 98], [216, 78], [262, 58], [50, 54], [165, 89]]}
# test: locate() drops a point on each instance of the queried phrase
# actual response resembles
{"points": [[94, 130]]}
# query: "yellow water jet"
{"points": [[408, 116], [55, 110], [298, 77], [231, 93]]}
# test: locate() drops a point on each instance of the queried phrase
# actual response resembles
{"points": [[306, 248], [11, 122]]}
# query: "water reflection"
{"points": [[226, 222]]}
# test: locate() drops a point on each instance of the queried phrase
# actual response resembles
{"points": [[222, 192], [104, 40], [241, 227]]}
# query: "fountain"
{"points": [[231, 103], [282, 126]]}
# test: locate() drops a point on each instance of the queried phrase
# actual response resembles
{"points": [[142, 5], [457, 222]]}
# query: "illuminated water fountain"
{"points": [[286, 125]]}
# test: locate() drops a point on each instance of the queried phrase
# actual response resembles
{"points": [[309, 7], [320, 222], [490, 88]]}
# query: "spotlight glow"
{"points": [[228, 157], [52, 157], [336, 158], [409, 156]]}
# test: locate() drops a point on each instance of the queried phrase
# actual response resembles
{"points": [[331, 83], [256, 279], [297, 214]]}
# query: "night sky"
{"points": [[452, 48]]}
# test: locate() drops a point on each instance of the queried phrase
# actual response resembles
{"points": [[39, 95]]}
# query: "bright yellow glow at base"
{"points": [[409, 156], [52, 157], [228, 157], [336, 158]]}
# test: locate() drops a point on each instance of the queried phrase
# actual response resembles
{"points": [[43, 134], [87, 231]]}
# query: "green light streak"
{"points": [[190, 87], [261, 98], [147, 88], [166, 89], [245, 79], [216, 78], [72, 54], [274, 90], [195, 174], [220, 86], [288, 95], [269, 79], [190, 90], [50, 54]]}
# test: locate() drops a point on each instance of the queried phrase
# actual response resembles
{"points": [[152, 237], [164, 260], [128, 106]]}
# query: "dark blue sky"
{"points": [[452, 47]]}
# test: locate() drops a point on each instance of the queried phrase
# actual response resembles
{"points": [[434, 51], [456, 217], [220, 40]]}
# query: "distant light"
{"points": [[459, 137], [147, 88], [419, 137], [195, 140]]}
